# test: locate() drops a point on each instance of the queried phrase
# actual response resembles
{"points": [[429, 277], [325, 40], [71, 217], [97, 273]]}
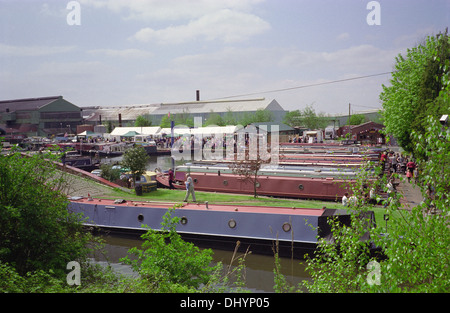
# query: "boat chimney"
{"points": [[198, 95]]}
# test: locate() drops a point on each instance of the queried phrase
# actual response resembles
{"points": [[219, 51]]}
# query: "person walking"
{"points": [[189, 188]]}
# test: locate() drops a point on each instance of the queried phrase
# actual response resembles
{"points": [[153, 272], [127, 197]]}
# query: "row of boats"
{"points": [[309, 171], [304, 171]]}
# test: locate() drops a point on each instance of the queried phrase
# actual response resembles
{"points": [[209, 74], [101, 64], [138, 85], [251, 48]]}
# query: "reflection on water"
{"points": [[163, 162], [259, 275]]}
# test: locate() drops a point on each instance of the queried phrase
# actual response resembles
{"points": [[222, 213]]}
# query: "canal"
{"points": [[259, 276]]}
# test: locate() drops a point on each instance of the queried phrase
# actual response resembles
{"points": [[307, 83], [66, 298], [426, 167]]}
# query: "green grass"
{"points": [[223, 198]]}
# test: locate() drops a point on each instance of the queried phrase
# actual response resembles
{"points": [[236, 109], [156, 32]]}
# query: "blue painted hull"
{"points": [[215, 227]]}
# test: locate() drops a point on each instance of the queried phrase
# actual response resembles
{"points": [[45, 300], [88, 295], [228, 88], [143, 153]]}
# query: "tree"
{"points": [[306, 118], [166, 120], [293, 118], [36, 229], [135, 159], [142, 121], [415, 86], [110, 173], [229, 118], [357, 119], [214, 119], [416, 246]]}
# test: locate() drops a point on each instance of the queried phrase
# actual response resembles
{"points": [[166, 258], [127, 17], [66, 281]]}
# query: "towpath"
{"points": [[411, 194]]}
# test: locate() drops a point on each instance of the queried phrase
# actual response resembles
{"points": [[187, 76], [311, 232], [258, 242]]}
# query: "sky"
{"points": [[133, 52]]}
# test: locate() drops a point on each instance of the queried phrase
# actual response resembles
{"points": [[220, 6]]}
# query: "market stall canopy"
{"points": [[146, 131], [131, 133]]}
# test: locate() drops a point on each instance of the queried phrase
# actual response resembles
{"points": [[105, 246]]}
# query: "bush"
{"points": [[167, 260]]}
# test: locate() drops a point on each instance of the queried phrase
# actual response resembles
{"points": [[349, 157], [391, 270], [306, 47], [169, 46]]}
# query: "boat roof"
{"points": [[202, 206]]}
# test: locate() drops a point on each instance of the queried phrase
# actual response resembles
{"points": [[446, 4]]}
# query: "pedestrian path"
{"points": [[411, 194]]}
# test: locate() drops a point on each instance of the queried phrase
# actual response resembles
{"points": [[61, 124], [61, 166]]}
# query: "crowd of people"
{"points": [[396, 163], [391, 163]]}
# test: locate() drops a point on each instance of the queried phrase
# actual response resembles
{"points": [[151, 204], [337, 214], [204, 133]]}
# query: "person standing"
{"points": [[410, 167], [345, 199], [189, 188], [171, 179]]}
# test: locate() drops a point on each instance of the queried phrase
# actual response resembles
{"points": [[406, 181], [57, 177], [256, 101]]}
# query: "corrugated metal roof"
{"points": [[217, 106], [112, 113], [26, 104]]}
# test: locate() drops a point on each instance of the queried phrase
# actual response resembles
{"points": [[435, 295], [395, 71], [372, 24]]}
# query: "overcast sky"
{"points": [[157, 51]]}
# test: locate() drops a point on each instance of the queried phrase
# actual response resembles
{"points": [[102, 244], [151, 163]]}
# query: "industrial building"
{"points": [[155, 112], [39, 116]]}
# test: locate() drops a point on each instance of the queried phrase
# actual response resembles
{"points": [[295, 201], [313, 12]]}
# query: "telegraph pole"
{"points": [[349, 114]]}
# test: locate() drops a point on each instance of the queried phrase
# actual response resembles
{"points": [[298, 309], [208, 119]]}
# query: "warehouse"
{"points": [[39, 116], [126, 115]]}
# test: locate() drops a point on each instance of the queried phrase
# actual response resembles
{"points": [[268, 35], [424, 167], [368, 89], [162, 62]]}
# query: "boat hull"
{"points": [[322, 188], [215, 226]]}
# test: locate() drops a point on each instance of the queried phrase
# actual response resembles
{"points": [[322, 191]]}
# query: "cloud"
{"points": [[166, 10], [124, 53], [226, 25], [31, 51], [343, 37], [362, 59]]}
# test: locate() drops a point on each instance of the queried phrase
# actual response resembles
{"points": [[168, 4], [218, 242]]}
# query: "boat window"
{"points": [[286, 227], [232, 223], [141, 218]]}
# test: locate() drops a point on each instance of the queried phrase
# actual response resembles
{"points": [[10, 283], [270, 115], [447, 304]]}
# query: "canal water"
{"points": [[259, 275]]}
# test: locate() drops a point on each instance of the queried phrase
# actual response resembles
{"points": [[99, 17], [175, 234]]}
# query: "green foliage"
{"points": [[415, 87], [417, 247], [109, 173], [142, 121], [166, 259], [339, 264], [34, 218], [135, 159], [306, 118], [357, 119], [214, 119]]}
